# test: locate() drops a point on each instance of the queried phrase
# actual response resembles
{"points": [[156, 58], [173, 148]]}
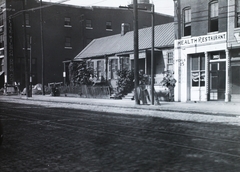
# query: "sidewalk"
{"points": [[212, 107]]}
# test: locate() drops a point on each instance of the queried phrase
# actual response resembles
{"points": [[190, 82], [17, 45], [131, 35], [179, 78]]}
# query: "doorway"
{"points": [[217, 80]]}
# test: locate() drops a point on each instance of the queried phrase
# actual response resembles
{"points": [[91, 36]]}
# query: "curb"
{"points": [[139, 107]]}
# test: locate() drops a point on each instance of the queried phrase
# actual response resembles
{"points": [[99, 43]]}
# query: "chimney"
{"points": [[125, 27]]}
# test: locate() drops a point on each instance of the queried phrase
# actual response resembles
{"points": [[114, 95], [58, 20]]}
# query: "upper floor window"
{"points": [[68, 42], [27, 19], [88, 24], [67, 21], [237, 13], [213, 18], [108, 25], [187, 22]]}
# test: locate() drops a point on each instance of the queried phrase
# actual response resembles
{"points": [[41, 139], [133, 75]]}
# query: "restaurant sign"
{"points": [[213, 38]]}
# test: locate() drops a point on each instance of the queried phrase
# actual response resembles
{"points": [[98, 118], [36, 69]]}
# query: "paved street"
{"points": [[44, 138]]}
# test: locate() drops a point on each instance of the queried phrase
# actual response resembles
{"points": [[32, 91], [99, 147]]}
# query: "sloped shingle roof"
{"points": [[164, 37]]}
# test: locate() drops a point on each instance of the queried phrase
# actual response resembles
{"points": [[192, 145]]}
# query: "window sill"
{"points": [[211, 33], [26, 26], [110, 30], [89, 28], [67, 26], [68, 48], [27, 49], [237, 29], [185, 37]]}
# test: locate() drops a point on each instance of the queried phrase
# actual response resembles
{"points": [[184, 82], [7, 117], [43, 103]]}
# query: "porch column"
{"points": [[227, 93], [64, 73], [206, 76], [106, 67]]}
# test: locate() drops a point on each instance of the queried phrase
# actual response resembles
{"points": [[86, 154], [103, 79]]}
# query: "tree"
{"points": [[80, 73]]}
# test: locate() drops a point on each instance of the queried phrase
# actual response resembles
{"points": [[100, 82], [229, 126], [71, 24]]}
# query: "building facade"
{"points": [[206, 50], [65, 31], [109, 54]]}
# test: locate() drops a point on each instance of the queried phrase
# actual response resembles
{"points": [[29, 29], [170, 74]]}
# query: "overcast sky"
{"points": [[161, 6]]}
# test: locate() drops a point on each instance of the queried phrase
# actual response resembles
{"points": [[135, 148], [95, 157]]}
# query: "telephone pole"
{"points": [[25, 51], [42, 46], [136, 56]]}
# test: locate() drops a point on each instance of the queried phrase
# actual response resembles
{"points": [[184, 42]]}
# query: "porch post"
{"points": [[227, 93], [64, 73], [207, 75]]}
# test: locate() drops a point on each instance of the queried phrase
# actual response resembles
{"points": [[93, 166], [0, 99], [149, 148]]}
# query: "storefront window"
{"points": [[198, 71]]}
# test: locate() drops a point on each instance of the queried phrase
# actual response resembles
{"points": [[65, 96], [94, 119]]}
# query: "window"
{"points": [[100, 69], [1, 41], [198, 70], [27, 19], [187, 22], [114, 68], [213, 21], [88, 24], [67, 22], [1, 64], [28, 42], [124, 63], [90, 64], [67, 42], [170, 61], [108, 25], [1, 19], [237, 13]]}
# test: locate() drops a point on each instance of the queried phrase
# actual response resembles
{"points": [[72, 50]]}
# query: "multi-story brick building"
{"points": [[66, 31], [207, 50]]}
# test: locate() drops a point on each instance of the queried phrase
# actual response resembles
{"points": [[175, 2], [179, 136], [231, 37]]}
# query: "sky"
{"points": [[161, 6]]}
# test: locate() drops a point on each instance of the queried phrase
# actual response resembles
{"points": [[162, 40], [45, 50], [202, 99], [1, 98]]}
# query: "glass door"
{"points": [[198, 77]]}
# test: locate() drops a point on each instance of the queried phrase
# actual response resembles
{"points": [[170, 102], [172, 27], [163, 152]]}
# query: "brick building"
{"points": [[207, 50], [67, 29]]}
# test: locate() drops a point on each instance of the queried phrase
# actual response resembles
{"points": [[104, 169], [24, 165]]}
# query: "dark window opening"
{"points": [[187, 22], [67, 21], [213, 20], [108, 25], [88, 24]]}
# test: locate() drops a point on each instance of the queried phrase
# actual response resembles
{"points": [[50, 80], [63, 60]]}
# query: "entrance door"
{"points": [[217, 80], [236, 80], [198, 77]]}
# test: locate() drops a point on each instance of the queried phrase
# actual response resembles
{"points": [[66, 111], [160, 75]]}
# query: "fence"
{"points": [[87, 91]]}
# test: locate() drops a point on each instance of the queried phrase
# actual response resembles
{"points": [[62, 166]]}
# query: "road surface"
{"points": [[39, 138]]}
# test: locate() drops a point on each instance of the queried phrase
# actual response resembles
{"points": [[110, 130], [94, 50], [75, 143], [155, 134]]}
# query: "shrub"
{"points": [[125, 82]]}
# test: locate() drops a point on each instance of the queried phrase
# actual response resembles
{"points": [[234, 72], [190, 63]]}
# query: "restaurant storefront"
{"points": [[202, 68]]}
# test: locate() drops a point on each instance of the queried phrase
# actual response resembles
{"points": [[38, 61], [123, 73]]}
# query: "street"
{"points": [[40, 138]]}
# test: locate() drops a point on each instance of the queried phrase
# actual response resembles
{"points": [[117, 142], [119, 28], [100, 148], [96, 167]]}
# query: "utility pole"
{"points": [[25, 50], [136, 56], [30, 68], [178, 36], [42, 46], [152, 56]]}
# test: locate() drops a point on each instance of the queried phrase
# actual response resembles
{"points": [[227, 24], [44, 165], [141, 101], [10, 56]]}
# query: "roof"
{"points": [[110, 45]]}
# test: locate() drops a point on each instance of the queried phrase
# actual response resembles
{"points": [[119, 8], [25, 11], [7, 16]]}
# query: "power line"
{"points": [[37, 8]]}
